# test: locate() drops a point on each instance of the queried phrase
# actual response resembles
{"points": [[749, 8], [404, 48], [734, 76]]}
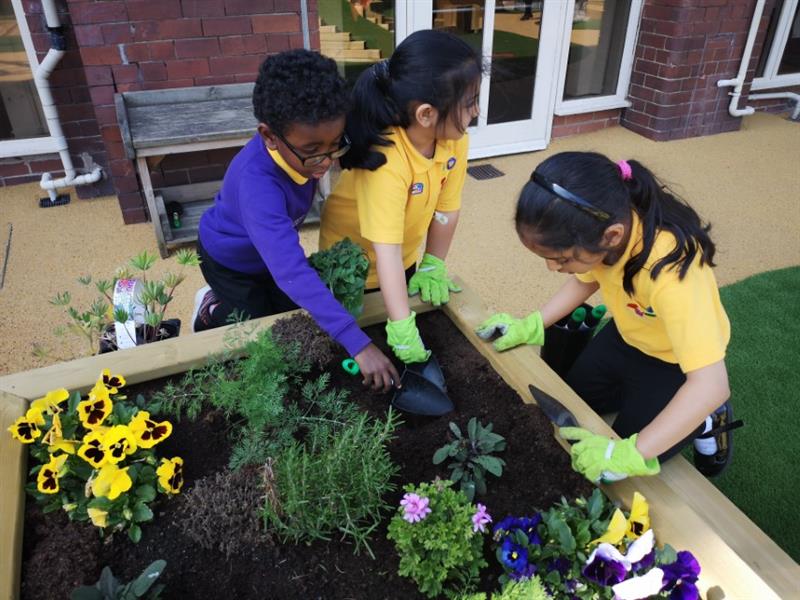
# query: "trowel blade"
{"points": [[420, 396]]}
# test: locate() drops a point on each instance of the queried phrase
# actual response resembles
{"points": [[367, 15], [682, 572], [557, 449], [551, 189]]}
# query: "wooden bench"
{"points": [[157, 123]]}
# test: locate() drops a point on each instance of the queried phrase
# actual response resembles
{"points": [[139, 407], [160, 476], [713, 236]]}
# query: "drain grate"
{"points": [[484, 172]]}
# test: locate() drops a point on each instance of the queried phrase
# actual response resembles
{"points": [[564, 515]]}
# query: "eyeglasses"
{"points": [[568, 196], [316, 159]]}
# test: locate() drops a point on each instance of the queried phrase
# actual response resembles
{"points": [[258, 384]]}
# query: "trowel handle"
{"points": [[351, 366]]}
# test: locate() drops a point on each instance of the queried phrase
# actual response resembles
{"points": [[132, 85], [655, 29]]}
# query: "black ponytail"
{"points": [[558, 224], [429, 66]]}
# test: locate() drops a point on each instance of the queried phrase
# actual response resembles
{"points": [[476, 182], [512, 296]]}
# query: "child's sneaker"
{"points": [[205, 301], [714, 448]]}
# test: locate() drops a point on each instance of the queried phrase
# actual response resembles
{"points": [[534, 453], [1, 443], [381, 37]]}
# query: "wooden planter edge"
{"points": [[738, 560]]}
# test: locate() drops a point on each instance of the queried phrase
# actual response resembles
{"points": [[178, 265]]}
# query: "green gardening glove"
{"points": [[513, 332], [431, 281], [599, 458], [403, 337]]}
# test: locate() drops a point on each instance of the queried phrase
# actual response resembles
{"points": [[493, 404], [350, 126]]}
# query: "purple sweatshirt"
{"points": [[252, 228]]}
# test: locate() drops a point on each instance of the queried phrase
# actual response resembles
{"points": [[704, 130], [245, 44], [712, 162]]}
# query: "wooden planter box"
{"points": [[738, 560]]}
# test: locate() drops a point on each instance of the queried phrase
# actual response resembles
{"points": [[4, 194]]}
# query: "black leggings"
{"points": [[250, 295], [612, 376]]}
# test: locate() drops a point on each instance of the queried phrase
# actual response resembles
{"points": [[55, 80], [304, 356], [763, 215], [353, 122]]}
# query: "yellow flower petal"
{"points": [[170, 474], [111, 382], [93, 451], [99, 517], [93, 411], [119, 442], [24, 430], [616, 529], [111, 481], [49, 403], [639, 521], [148, 433], [47, 478]]}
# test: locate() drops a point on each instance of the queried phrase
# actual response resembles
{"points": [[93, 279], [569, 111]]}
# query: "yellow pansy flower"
{"points": [[47, 479], [94, 410], [148, 432], [93, 451], [51, 401], [25, 430], [170, 474], [616, 530], [111, 382], [639, 521], [111, 481], [67, 446], [99, 517], [119, 442]]}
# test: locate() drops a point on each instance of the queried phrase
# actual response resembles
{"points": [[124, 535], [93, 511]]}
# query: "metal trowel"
{"points": [[423, 391], [559, 414]]}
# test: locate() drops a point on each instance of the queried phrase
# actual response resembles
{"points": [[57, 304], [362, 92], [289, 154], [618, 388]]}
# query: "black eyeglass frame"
{"points": [[568, 196], [316, 159]]}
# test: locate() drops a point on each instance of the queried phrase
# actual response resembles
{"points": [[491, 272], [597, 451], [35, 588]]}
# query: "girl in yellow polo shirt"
{"points": [[660, 362], [401, 187]]}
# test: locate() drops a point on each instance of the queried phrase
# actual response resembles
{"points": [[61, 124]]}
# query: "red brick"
{"points": [[285, 23], [277, 42], [111, 133], [133, 216], [644, 93], [705, 27], [67, 77], [652, 40], [235, 65], [61, 96], [88, 35], [637, 118], [162, 85], [176, 178], [194, 67], [97, 12], [129, 87], [12, 169], [206, 173], [36, 23], [296, 41], [102, 94], [712, 13], [106, 115], [315, 40], [143, 10], [168, 29], [45, 166], [162, 50], [564, 130], [227, 26], [196, 48], [592, 126], [644, 66], [122, 168], [215, 80], [9, 181], [674, 71], [243, 44], [287, 5], [129, 200], [117, 33], [137, 52], [248, 7], [125, 73], [126, 185], [98, 75], [734, 25], [153, 71], [661, 13], [202, 8], [101, 55]]}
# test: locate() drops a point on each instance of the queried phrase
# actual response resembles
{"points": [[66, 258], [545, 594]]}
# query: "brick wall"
{"points": [[71, 94], [584, 123], [684, 48]]}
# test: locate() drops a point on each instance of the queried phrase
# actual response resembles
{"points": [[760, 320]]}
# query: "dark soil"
{"points": [[58, 555]]}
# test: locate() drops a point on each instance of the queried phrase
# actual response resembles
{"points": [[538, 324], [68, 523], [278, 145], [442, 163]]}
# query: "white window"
{"points": [[597, 53], [780, 60]]}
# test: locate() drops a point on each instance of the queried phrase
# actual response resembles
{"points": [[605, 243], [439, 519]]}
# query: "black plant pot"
{"points": [[562, 346], [169, 328]]}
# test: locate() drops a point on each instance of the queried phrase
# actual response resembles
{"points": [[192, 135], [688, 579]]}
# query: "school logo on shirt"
{"points": [[451, 163], [417, 189], [642, 312]]}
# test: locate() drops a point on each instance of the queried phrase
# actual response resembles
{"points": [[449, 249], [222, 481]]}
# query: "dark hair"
{"points": [[298, 86], [428, 66], [558, 224]]}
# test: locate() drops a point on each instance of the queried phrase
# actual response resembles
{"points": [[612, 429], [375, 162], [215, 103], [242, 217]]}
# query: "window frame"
{"points": [[771, 79], [597, 103]]}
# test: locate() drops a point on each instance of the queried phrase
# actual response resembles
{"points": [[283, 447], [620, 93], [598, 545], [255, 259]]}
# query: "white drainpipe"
{"points": [[41, 79], [738, 81], [776, 95]]}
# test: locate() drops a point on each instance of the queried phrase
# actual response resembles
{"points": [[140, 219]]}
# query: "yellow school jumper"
{"points": [[395, 203], [679, 321]]}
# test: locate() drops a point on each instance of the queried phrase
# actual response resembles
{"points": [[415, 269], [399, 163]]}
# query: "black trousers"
{"points": [[612, 376], [251, 296]]}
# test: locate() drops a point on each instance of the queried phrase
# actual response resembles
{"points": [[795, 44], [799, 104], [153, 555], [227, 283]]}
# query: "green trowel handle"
{"points": [[351, 366]]}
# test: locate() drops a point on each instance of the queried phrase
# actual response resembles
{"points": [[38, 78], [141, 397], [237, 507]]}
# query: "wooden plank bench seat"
{"points": [[158, 123]]}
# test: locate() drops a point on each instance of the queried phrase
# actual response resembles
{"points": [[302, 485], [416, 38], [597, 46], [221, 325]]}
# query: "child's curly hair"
{"points": [[298, 86]]}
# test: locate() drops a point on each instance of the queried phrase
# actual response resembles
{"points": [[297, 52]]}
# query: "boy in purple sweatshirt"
{"points": [[251, 255]]}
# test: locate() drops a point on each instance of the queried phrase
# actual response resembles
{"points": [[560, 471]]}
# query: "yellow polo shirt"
{"points": [[679, 321], [395, 203]]}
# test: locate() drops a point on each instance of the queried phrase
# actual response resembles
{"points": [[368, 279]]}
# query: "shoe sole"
{"points": [[724, 444], [198, 301]]}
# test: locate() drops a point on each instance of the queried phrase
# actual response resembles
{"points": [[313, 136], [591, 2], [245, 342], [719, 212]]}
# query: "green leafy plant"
{"points": [[471, 456], [343, 267], [525, 589], [109, 587], [95, 457], [437, 538], [92, 323]]}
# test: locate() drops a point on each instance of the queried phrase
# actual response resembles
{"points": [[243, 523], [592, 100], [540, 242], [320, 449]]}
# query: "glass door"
{"points": [[517, 39]]}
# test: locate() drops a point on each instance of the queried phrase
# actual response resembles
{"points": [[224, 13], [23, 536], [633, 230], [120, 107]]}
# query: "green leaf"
{"points": [[472, 428], [135, 533], [441, 454], [456, 431], [142, 513], [146, 493], [148, 577], [492, 464]]}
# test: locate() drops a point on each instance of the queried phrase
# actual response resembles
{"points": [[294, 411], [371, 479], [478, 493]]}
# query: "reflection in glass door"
{"points": [[516, 105]]}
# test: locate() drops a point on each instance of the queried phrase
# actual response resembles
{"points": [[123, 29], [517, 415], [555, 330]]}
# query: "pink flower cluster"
{"points": [[480, 519], [414, 508]]}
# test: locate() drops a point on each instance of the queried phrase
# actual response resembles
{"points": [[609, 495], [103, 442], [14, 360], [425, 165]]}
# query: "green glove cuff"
{"points": [[430, 262], [403, 336], [599, 458], [534, 328]]}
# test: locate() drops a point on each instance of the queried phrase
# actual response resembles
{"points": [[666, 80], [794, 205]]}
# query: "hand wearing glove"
{"points": [[514, 332], [599, 458], [403, 337], [431, 281]]}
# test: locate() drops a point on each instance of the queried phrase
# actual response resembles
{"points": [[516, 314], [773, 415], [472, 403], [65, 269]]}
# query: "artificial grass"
{"points": [[763, 363]]}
